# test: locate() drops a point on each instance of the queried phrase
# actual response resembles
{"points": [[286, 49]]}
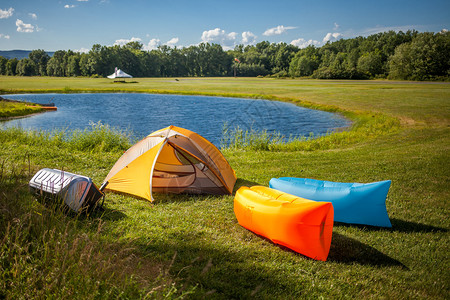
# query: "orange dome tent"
{"points": [[302, 225], [171, 160]]}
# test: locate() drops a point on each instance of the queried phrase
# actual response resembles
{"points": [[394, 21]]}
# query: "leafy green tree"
{"points": [[26, 67], [56, 64], [352, 62], [73, 65], [151, 64], [336, 66], [251, 70], [85, 69], [305, 62], [425, 57], [40, 59], [283, 56], [174, 62], [386, 42], [193, 61], [370, 64], [3, 62], [123, 57], [11, 66], [255, 56], [218, 62], [134, 45], [202, 60], [302, 66], [400, 64], [410, 55], [101, 60], [164, 56]]}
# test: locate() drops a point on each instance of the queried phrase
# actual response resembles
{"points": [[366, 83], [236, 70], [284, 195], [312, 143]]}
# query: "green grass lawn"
{"points": [[192, 246]]}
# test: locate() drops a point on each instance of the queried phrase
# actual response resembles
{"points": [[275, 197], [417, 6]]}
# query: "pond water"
{"points": [[144, 113]]}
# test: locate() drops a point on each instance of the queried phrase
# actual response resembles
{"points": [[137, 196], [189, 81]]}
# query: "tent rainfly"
{"points": [[171, 160], [118, 73]]}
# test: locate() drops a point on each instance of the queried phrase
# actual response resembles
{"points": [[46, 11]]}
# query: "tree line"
{"points": [[395, 55]]}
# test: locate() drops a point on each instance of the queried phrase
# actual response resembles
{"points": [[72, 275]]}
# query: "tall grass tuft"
{"points": [[366, 127], [237, 138], [45, 254], [97, 138]]}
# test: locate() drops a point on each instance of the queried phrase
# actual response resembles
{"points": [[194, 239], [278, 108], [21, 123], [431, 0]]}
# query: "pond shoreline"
{"points": [[2, 119], [143, 112], [300, 103]]}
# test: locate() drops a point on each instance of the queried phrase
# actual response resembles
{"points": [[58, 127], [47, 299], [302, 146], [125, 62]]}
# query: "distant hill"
{"points": [[19, 54]]}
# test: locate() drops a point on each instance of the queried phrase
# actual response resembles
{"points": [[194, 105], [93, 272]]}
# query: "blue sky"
{"points": [[79, 24]]}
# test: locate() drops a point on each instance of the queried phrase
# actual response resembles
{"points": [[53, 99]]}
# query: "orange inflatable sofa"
{"points": [[302, 225]]}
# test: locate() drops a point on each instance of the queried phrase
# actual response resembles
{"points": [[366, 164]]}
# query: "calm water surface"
{"points": [[145, 113]]}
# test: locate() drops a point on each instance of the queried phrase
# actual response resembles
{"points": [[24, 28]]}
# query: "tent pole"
{"points": [[103, 186], [153, 168]]}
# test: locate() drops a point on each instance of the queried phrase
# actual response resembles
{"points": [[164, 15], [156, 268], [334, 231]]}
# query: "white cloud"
{"points": [[332, 37], [82, 0], [378, 29], [172, 42], [219, 36], [4, 36], [336, 26], [33, 16], [153, 44], [277, 30], [69, 6], [248, 38], [82, 50], [22, 27], [302, 43], [4, 14], [123, 42]]}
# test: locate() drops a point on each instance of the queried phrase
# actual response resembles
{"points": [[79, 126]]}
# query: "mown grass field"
{"points": [[192, 246]]}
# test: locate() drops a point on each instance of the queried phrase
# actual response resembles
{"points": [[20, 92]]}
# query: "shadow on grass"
{"points": [[204, 263], [178, 198], [218, 273], [363, 227], [108, 214], [123, 81], [397, 226], [348, 250], [169, 198], [162, 197], [243, 182], [407, 226], [231, 273]]}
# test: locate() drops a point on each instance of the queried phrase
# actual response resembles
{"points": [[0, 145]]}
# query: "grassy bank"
{"points": [[13, 109], [192, 245]]}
